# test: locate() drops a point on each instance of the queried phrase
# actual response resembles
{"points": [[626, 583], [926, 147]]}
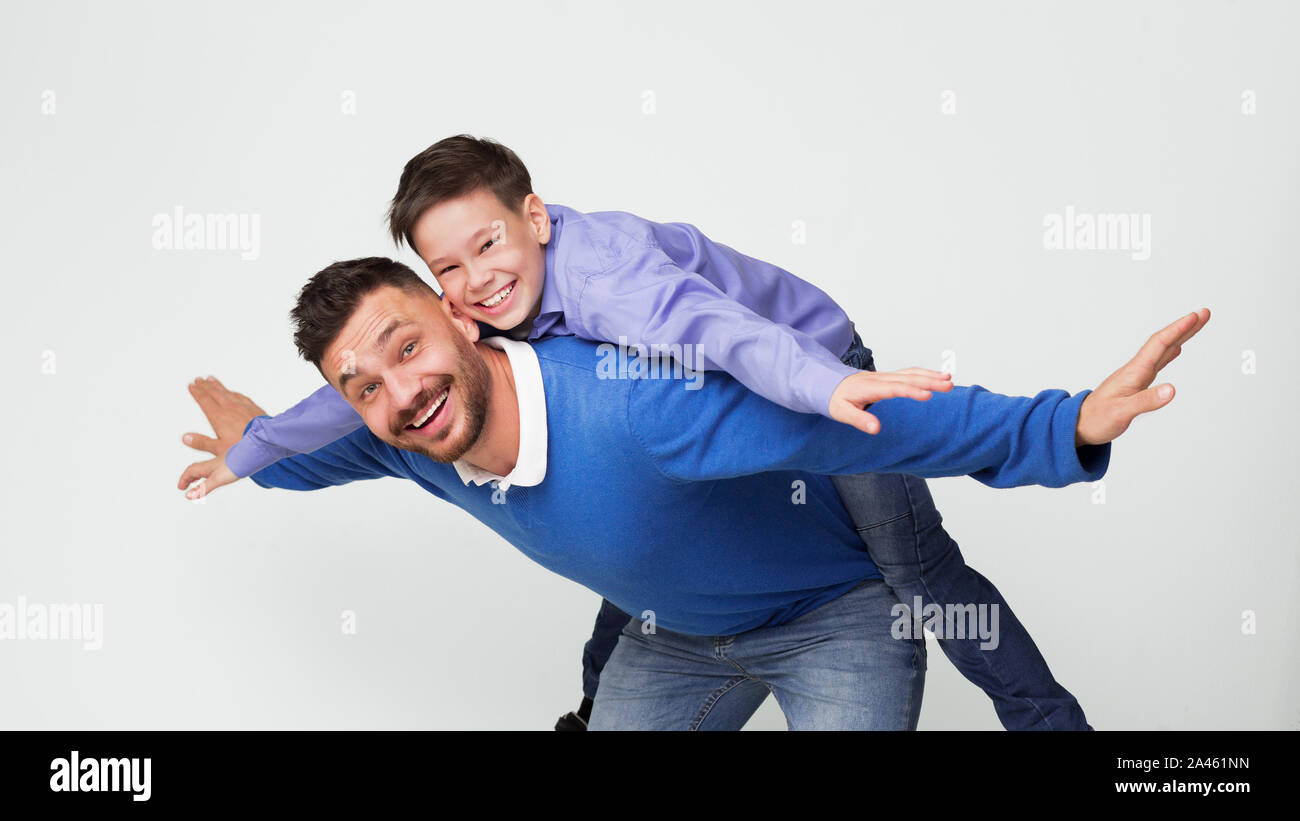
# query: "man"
{"points": [[707, 513]]}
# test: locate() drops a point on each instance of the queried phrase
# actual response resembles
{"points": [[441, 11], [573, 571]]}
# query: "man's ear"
{"points": [[464, 324], [537, 218]]}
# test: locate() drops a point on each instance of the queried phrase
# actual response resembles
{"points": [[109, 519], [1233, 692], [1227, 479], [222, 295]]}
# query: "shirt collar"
{"points": [[551, 306], [530, 467]]}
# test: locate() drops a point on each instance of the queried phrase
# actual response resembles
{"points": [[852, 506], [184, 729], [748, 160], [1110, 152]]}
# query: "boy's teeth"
{"points": [[496, 300]]}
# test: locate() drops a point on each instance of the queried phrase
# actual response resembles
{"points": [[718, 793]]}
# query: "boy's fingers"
{"points": [[923, 372], [912, 379], [863, 421], [893, 387], [198, 470]]}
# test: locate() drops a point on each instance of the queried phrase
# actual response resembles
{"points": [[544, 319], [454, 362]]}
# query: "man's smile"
{"points": [[432, 418]]}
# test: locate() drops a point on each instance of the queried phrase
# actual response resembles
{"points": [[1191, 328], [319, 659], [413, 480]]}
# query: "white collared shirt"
{"points": [[530, 467]]}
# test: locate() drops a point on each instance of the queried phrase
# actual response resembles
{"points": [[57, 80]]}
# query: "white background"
{"points": [[926, 226]]}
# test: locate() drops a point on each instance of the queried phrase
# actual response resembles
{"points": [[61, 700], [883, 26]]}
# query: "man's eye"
{"points": [[366, 390], [407, 349]]}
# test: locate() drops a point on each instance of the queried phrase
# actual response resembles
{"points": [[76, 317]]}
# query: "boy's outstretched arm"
{"points": [[316, 421], [236, 420], [646, 298]]}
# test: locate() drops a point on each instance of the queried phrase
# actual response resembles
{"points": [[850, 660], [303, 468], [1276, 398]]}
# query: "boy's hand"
{"points": [[1111, 408], [857, 391], [228, 413]]}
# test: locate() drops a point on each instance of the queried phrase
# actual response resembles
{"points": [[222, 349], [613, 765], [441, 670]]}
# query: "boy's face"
{"points": [[489, 260]]}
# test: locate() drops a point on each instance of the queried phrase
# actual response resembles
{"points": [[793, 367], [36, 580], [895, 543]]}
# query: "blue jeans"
{"points": [[837, 667], [903, 531]]}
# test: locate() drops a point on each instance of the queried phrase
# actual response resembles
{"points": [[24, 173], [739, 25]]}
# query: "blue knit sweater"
{"points": [[710, 507]]}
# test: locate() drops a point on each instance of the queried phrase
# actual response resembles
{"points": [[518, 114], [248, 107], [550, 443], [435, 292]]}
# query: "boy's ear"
{"points": [[537, 217], [463, 324]]}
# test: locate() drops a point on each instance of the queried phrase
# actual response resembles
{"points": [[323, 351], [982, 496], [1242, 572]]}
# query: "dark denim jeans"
{"points": [[903, 532]]}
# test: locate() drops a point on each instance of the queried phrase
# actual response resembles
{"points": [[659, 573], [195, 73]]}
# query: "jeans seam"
{"points": [[911, 689], [714, 697], [865, 528]]}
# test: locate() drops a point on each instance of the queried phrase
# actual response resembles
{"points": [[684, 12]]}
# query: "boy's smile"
{"points": [[489, 260]]}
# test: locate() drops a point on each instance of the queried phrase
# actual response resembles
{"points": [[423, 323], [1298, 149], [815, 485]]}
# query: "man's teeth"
{"points": [[499, 297], [437, 403]]}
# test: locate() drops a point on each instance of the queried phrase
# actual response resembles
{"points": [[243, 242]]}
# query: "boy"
{"points": [[529, 270]]}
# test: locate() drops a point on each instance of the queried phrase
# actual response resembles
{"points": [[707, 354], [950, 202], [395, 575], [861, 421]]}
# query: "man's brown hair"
{"points": [[451, 168], [328, 300]]}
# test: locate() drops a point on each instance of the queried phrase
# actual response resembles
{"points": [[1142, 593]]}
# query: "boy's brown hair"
{"points": [[451, 168]]}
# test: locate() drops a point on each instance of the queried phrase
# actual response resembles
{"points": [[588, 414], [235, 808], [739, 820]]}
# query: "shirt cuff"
{"points": [[247, 456], [819, 382]]}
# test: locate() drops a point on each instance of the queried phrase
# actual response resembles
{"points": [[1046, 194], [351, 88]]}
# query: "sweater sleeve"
{"points": [[724, 430], [358, 455]]}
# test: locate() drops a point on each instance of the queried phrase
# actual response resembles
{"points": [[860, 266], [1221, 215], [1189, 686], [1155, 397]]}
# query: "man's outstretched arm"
{"points": [[1051, 439]]}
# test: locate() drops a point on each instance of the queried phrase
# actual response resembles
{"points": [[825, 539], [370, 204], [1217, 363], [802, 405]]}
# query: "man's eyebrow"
{"points": [[472, 239], [380, 343]]}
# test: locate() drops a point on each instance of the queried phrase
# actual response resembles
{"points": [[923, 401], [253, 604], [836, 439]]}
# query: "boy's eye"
{"points": [[486, 246]]}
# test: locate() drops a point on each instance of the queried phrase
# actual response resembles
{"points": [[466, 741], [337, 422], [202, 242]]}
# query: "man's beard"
{"points": [[472, 379]]}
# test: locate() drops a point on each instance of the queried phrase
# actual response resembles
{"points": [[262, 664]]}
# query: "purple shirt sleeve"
{"points": [[647, 298], [313, 423]]}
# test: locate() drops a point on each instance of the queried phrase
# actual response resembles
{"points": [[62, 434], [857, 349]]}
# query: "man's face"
{"points": [[400, 361], [489, 260]]}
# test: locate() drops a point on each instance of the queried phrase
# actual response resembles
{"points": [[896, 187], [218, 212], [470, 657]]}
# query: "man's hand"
{"points": [[228, 413], [859, 390], [1111, 408]]}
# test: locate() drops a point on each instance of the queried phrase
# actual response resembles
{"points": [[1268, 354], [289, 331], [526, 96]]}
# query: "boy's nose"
{"points": [[477, 278]]}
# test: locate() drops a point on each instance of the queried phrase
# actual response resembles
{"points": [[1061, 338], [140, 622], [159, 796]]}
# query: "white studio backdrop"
{"points": [[904, 157]]}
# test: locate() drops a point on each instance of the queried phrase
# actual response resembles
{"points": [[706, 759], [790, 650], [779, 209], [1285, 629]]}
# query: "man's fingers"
{"points": [[200, 442], [1153, 398], [1170, 356], [1171, 336], [1202, 317]]}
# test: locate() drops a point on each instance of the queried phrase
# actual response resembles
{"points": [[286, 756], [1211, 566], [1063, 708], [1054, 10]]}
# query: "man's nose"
{"points": [[405, 389]]}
